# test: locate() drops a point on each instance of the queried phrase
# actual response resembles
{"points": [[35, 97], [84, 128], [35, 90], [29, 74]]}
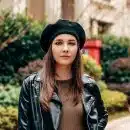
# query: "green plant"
{"points": [[9, 95], [102, 85], [19, 44], [33, 66], [91, 67], [114, 100], [12, 27], [108, 39], [117, 115], [114, 48], [8, 118]]}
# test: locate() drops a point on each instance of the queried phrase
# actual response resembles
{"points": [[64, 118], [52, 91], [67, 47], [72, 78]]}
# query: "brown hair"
{"points": [[48, 79]]}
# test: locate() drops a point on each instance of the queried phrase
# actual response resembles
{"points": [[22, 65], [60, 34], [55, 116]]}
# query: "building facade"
{"points": [[16, 6], [96, 16]]}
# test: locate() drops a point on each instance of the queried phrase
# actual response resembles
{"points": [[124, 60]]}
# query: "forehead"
{"points": [[65, 37]]}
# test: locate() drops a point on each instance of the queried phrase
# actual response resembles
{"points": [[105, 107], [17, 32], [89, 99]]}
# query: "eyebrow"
{"points": [[72, 40], [62, 40]]}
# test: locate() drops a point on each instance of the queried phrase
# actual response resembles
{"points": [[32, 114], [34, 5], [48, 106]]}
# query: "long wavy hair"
{"points": [[48, 78]]}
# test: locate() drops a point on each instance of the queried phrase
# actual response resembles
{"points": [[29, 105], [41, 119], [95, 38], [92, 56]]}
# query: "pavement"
{"points": [[119, 124]]}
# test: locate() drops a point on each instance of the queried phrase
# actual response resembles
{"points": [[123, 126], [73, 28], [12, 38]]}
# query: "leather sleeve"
{"points": [[102, 113], [24, 107]]}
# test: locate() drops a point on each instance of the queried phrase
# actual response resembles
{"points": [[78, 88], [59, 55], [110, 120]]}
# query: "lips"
{"points": [[65, 57]]}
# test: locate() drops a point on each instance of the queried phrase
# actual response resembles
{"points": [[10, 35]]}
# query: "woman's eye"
{"points": [[58, 43], [72, 43]]}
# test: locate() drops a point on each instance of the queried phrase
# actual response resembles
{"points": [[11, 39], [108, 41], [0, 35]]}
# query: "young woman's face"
{"points": [[64, 49]]}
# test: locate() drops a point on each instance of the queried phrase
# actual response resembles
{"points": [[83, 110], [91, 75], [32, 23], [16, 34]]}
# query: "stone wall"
{"points": [[17, 6], [52, 10], [84, 12]]}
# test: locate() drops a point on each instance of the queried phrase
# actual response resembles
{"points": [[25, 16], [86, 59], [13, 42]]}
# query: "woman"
{"points": [[60, 97]]}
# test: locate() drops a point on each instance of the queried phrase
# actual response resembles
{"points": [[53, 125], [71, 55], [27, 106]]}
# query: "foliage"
{"points": [[114, 48], [111, 39], [33, 66], [117, 115], [9, 95], [121, 63], [120, 67], [91, 67], [11, 27], [8, 118], [129, 51], [113, 100], [19, 49], [102, 85]]}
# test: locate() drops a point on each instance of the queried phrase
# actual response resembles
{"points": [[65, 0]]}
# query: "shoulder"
{"points": [[87, 79], [90, 85], [89, 82], [31, 78], [27, 83]]}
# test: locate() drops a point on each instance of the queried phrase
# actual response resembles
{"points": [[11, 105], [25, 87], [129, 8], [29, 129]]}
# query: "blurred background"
{"points": [[105, 56]]}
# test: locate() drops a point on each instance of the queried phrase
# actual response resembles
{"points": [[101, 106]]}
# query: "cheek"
{"points": [[55, 53], [74, 52]]}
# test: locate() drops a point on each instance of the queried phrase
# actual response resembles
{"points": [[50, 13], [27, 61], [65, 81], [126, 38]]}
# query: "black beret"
{"points": [[62, 27]]}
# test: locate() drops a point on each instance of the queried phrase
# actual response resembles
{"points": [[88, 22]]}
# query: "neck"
{"points": [[63, 72]]}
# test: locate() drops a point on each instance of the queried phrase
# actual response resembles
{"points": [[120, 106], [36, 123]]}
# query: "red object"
{"points": [[93, 48]]}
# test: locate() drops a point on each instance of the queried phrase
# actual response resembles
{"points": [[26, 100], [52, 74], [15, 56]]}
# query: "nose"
{"points": [[65, 48]]}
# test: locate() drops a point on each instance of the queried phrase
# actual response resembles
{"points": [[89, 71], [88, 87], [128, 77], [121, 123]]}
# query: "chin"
{"points": [[65, 63]]}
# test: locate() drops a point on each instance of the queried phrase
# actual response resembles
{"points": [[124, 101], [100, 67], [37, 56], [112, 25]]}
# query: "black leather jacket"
{"points": [[30, 114]]}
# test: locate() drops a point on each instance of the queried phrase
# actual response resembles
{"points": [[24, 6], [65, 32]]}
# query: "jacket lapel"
{"points": [[55, 104], [87, 101], [55, 110], [36, 104]]}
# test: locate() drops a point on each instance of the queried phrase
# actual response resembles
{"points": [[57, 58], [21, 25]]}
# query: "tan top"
{"points": [[71, 116]]}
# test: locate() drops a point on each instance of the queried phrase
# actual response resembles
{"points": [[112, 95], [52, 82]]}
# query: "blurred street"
{"points": [[119, 124]]}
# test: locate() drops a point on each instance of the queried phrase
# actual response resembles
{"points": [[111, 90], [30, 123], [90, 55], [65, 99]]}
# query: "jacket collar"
{"points": [[85, 77], [37, 77], [55, 96]]}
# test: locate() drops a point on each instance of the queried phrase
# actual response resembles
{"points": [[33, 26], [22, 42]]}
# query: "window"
{"points": [[103, 27], [98, 27]]}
